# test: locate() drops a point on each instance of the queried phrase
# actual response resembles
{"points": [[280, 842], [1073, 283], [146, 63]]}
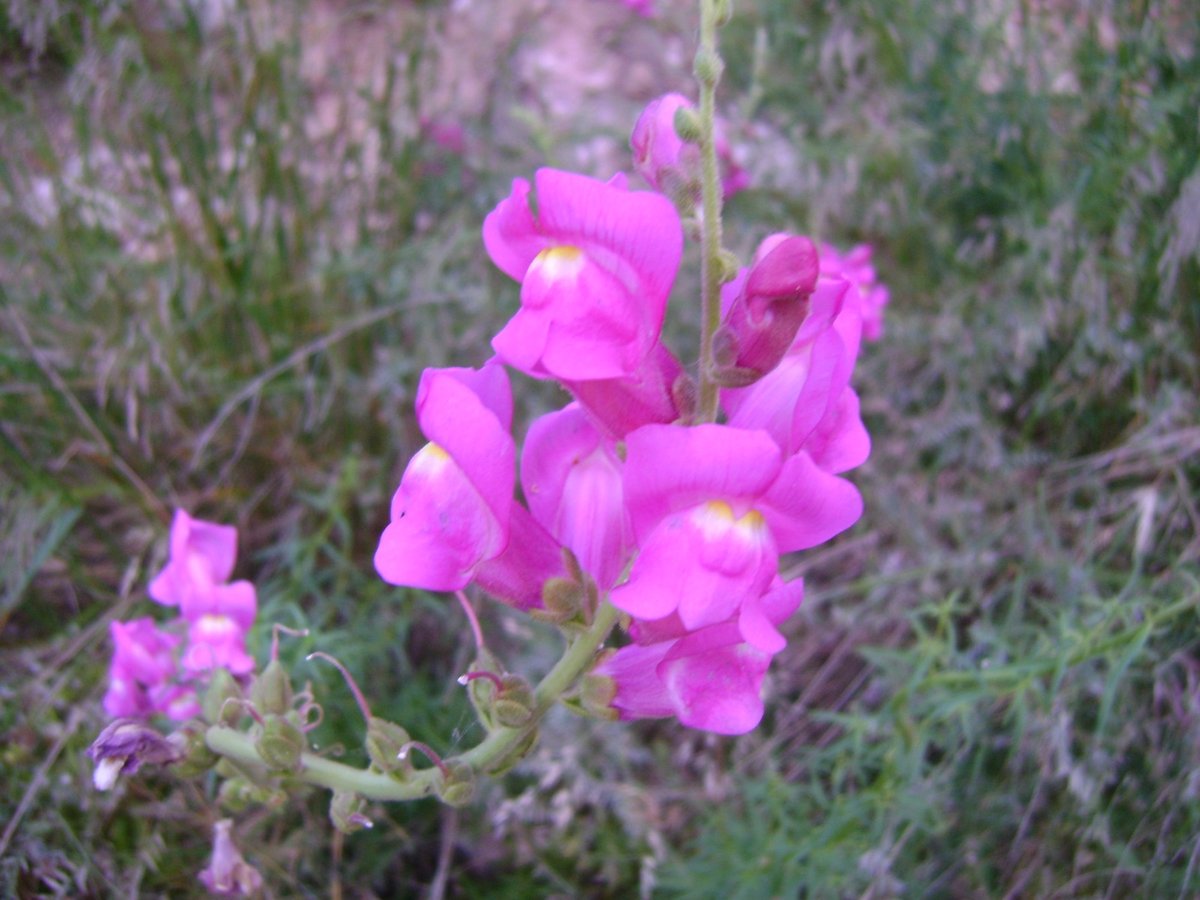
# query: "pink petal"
{"points": [[649, 396], [640, 692], [840, 442], [455, 418], [510, 233], [714, 680], [572, 481], [702, 563], [806, 506], [518, 574], [670, 467], [441, 528]]}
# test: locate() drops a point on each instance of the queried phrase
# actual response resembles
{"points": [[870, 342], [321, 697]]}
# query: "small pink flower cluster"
{"points": [[681, 525], [147, 675]]}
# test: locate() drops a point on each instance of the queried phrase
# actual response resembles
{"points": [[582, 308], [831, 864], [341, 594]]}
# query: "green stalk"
{"points": [[708, 68], [316, 770]]}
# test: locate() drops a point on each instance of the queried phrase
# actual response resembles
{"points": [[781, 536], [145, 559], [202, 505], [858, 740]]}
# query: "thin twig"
{"points": [[255, 384], [437, 887], [88, 423]]}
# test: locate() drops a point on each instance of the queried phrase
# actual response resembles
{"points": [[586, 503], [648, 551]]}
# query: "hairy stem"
{"points": [[708, 68]]}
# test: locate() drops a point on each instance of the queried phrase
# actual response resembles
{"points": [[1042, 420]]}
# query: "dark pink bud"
{"points": [[765, 306], [660, 155]]}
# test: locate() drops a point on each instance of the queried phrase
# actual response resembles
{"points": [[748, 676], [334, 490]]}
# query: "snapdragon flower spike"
{"points": [[596, 263], [765, 306], [855, 267], [451, 512], [712, 508], [201, 554], [572, 479], [805, 402], [710, 678]]}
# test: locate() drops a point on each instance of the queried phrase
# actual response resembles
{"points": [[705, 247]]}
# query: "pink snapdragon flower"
{"points": [[709, 678], [712, 509], [217, 625], [855, 267], [142, 679], [805, 403], [451, 511], [572, 479], [202, 554], [454, 519], [596, 263]]}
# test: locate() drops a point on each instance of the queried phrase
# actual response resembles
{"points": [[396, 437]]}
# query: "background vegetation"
{"points": [[234, 233]]}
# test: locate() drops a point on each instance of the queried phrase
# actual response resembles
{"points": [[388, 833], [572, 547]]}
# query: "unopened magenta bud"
{"points": [[764, 308], [663, 145]]}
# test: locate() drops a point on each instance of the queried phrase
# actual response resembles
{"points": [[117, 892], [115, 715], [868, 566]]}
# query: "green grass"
{"points": [[214, 297]]}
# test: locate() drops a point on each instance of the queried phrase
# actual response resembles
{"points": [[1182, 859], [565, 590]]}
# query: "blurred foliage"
{"points": [[232, 238]]}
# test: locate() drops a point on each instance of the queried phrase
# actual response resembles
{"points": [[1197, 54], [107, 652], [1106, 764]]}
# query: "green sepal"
{"points": [[272, 690], [223, 700], [458, 786], [383, 743], [196, 757], [345, 811], [280, 744]]}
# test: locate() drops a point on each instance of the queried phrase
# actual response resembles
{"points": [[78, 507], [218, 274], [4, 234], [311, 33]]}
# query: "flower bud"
{"points": [[280, 744], [458, 785], [345, 811], [764, 308], [123, 747], [664, 153], [223, 699], [708, 67], [384, 742], [272, 690]]}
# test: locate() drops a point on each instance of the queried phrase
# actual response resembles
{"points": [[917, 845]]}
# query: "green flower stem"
{"points": [[708, 68], [239, 747]]}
